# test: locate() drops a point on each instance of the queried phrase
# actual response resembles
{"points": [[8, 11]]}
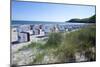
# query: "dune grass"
{"points": [[63, 46]]}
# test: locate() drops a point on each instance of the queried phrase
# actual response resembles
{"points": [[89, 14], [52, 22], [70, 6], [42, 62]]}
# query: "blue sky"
{"points": [[31, 11]]}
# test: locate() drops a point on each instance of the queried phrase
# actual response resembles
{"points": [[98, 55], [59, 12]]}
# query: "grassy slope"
{"points": [[61, 47], [91, 19]]}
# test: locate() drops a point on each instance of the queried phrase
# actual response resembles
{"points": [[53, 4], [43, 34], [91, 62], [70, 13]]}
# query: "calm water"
{"points": [[34, 22], [41, 22]]}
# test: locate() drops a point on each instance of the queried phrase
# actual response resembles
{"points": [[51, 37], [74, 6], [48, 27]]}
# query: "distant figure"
{"points": [[55, 29], [42, 33], [40, 26], [31, 27]]}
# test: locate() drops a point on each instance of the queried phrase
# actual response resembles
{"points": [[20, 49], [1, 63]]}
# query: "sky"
{"points": [[32, 11]]}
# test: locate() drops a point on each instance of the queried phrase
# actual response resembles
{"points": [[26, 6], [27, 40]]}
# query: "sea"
{"points": [[43, 22]]}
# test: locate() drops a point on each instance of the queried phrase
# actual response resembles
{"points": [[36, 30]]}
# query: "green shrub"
{"points": [[54, 40], [84, 39], [39, 58]]}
